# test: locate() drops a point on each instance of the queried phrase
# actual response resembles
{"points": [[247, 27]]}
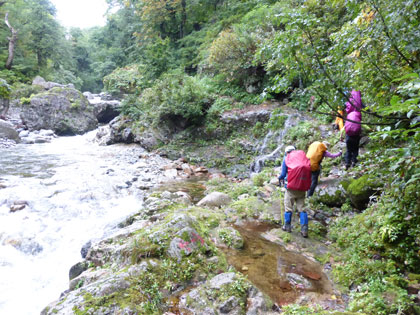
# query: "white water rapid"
{"points": [[75, 191]]}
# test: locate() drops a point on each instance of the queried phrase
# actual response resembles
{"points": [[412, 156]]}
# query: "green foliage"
{"points": [[220, 105], [302, 135], [176, 96], [25, 100], [12, 76], [380, 297], [127, 80], [277, 120], [4, 89], [232, 53]]}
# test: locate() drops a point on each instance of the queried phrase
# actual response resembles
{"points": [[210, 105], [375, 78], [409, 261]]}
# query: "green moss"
{"points": [[248, 207], [413, 277], [359, 190], [76, 104], [25, 100]]}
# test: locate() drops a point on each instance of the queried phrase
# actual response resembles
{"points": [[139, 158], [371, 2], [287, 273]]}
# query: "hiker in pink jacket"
{"points": [[353, 128]]}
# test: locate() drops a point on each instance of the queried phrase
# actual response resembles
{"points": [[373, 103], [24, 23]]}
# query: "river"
{"points": [[75, 191]]}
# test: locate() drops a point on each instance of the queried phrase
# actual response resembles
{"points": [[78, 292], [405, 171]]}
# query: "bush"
{"points": [[127, 80], [176, 98], [302, 135], [232, 53], [4, 89]]}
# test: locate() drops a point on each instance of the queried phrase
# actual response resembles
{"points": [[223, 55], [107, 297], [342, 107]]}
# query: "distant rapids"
{"points": [[73, 191]]}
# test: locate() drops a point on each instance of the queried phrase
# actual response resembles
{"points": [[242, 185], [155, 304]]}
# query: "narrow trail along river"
{"points": [[73, 191], [283, 275], [55, 197]]}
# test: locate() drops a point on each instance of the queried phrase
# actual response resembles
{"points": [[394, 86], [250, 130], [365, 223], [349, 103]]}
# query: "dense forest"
{"points": [[191, 60]]}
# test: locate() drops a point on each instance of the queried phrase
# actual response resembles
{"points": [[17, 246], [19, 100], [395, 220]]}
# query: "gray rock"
{"points": [[190, 242], [215, 199], [85, 249], [224, 278], [229, 305], [61, 109], [104, 110], [330, 192], [77, 269], [299, 281], [257, 302], [7, 131], [229, 237]]}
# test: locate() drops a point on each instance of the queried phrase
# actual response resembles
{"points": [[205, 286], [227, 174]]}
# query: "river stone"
{"points": [[225, 278], [229, 305], [61, 109], [299, 281], [257, 302], [330, 192], [47, 85], [185, 242], [229, 237], [361, 189], [25, 245], [77, 269], [215, 199], [7, 131], [209, 298], [85, 249], [105, 110]]}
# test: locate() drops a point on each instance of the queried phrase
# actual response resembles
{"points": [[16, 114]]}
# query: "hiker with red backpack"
{"points": [[316, 153], [353, 128], [296, 169]]}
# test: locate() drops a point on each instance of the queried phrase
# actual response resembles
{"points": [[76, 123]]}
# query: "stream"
{"points": [[55, 197], [72, 191]]}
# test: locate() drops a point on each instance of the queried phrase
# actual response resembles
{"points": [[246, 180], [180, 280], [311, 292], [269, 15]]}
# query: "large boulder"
{"points": [[120, 130], [360, 190], [105, 109], [7, 131], [61, 109], [330, 192], [215, 199], [47, 85]]}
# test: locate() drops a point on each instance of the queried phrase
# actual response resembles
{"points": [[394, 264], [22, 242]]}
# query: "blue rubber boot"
{"points": [[287, 222], [304, 224]]}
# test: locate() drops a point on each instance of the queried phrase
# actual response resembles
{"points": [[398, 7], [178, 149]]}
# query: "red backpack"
{"points": [[298, 171]]}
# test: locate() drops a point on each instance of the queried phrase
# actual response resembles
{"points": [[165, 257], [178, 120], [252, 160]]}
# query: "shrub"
{"points": [[302, 135], [4, 89], [123, 80], [232, 53], [176, 98]]}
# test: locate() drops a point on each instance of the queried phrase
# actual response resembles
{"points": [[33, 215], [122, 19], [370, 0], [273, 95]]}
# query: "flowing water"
{"points": [[283, 275], [74, 191], [277, 138]]}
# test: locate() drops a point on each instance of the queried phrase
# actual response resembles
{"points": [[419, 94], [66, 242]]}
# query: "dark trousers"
{"points": [[352, 144], [314, 181]]}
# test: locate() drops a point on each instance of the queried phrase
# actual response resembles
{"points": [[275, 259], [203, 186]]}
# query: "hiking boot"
{"points": [[347, 166], [304, 230], [287, 227]]}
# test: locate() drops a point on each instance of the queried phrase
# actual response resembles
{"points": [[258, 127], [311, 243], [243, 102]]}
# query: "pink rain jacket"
{"points": [[353, 129], [355, 103]]}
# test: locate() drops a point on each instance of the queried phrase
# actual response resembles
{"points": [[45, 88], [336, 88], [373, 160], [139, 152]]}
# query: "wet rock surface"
{"points": [[62, 109]]}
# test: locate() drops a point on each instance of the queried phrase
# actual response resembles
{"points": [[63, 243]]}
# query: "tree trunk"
{"points": [[183, 18], [12, 42], [4, 107]]}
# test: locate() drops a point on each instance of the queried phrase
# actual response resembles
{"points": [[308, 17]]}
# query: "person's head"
{"points": [[326, 143], [289, 149]]}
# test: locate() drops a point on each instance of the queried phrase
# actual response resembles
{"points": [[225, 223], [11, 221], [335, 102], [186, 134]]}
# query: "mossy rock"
{"points": [[360, 190], [330, 192]]}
